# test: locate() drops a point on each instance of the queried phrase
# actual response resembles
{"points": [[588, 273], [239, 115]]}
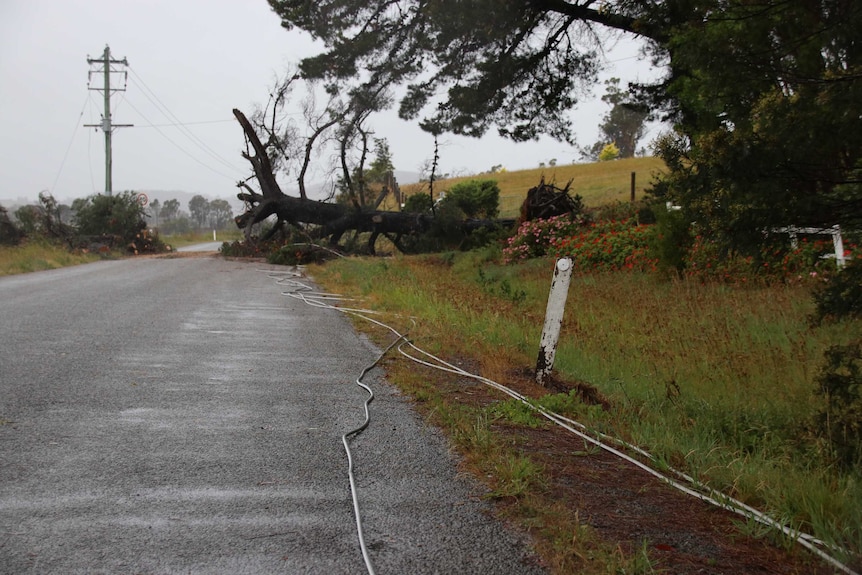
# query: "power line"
{"points": [[69, 147], [173, 125], [176, 122], [180, 148]]}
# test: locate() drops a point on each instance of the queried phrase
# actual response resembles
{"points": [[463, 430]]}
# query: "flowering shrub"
{"points": [[773, 262], [533, 238], [624, 245], [608, 246], [602, 246]]}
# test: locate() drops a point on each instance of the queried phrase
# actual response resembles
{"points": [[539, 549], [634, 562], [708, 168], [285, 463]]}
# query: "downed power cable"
{"points": [[718, 499]]}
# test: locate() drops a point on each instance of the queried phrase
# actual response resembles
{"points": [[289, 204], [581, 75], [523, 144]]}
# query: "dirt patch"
{"points": [[624, 505]]}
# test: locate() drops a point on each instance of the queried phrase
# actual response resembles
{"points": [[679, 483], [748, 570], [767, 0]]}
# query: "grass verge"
{"points": [[38, 256], [713, 380]]}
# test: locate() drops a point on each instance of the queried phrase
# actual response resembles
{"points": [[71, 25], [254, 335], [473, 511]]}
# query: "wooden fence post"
{"points": [[553, 319]]}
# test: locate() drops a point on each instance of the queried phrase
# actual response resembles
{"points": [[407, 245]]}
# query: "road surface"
{"points": [[204, 247], [180, 415]]}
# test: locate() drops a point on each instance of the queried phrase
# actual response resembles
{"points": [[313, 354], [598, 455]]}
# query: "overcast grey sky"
{"points": [[190, 62]]}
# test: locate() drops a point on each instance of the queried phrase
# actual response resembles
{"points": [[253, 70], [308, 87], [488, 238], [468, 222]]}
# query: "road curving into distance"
{"points": [[179, 415]]}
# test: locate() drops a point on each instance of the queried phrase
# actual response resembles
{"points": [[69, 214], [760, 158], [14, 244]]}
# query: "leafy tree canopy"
{"points": [[517, 65], [767, 100], [765, 95], [119, 215]]}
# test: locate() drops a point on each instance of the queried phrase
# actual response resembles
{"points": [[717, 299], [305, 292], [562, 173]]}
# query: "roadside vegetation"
{"points": [[742, 370], [49, 235], [722, 381], [39, 256]]}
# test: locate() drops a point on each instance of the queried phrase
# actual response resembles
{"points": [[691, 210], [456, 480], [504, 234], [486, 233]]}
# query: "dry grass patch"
{"points": [[598, 184]]}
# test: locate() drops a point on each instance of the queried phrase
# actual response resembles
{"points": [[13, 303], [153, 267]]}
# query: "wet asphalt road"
{"points": [[182, 416]]}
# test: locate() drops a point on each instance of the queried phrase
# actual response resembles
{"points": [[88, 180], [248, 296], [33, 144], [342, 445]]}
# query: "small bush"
{"points": [[840, 423], [9, 232], [609, 152], [450, 228], [29, 220], [43, 220], [841, 296], [476, 199], [672, 239], [534, 238], [418, 203], [119, 216]]}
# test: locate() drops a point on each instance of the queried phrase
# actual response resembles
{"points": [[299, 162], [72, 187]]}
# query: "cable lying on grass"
{"points": [[693, 488]]}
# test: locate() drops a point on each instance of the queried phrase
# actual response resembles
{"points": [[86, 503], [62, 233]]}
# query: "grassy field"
{"points": [[597, 183], [191, 238], [714, 380]]}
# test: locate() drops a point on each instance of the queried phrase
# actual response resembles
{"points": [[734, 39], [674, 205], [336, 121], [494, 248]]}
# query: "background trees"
{"points": [[220, 214], [170, 209], [623, 126], [199, 208]]}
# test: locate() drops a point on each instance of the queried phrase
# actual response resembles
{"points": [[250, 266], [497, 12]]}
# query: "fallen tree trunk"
{"points": [[332, 220], [326, 219]]}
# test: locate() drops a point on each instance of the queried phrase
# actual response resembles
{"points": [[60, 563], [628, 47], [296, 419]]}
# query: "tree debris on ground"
{"points": [[548, 200]]}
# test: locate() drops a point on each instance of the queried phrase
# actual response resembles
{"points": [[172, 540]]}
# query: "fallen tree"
{"points": [[332, 220]]}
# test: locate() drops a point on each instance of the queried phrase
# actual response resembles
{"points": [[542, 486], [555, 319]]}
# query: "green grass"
{"points": [[38, 256], [42, 255], [714, 380]]}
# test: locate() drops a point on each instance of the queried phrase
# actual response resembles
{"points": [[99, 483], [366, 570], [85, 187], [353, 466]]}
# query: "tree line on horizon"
{"points": [[117, 219]]}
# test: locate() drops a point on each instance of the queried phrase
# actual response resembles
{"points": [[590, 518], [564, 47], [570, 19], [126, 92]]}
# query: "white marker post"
{"points": [[553, 319]]}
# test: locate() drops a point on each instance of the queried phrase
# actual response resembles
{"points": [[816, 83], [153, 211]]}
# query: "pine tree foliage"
{"points": [[765, 95]]}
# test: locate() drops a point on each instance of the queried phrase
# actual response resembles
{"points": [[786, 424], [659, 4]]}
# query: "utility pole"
{"points": [[107, 126]]}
